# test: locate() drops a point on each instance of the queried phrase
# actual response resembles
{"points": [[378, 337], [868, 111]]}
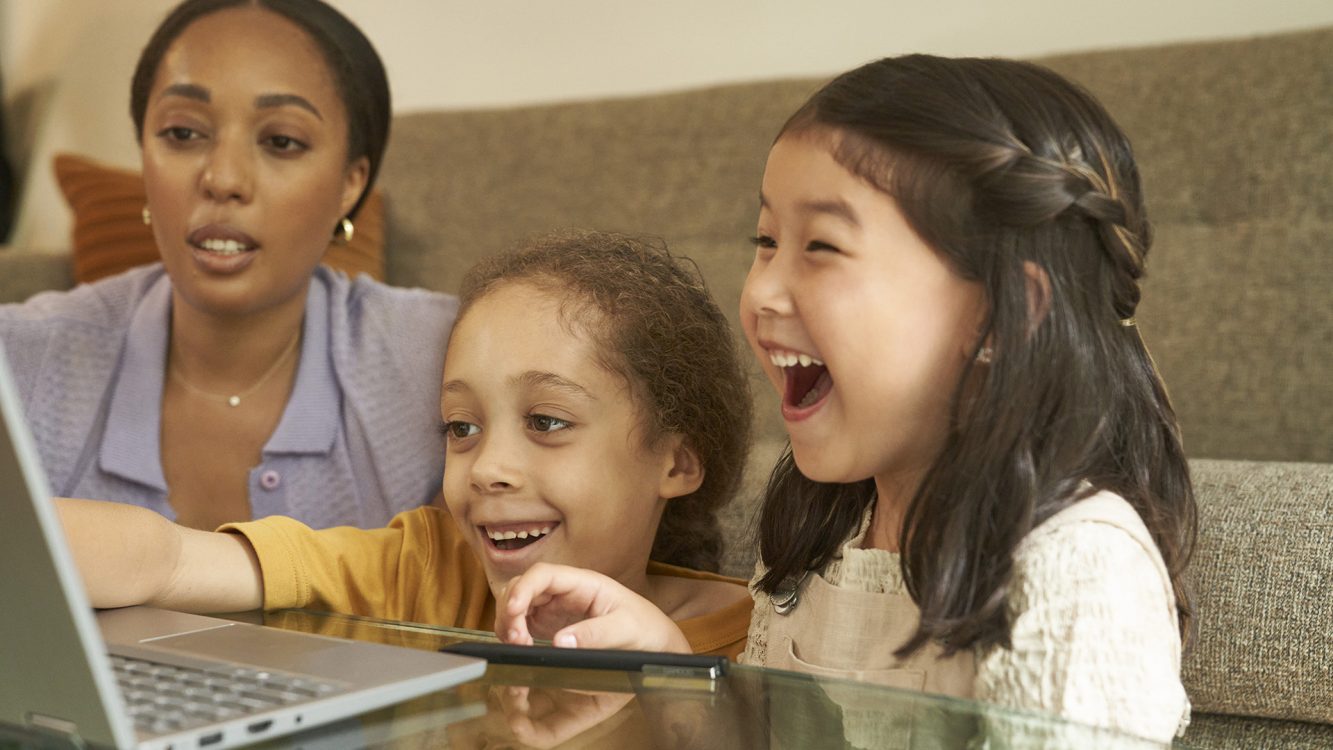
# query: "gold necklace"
{"points": [[234, 400]]}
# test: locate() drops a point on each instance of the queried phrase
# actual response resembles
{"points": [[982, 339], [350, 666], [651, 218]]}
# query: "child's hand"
{"points": [[580, 608]]}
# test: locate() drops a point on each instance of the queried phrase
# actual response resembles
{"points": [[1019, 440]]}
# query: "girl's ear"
{"points": [[1038, 294], [683, 472]]}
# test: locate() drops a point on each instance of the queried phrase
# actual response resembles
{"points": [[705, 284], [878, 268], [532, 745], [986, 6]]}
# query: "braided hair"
{"points": [[1008, 171]]}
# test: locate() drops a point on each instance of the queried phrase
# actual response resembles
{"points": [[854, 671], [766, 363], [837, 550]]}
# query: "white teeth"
{"points": [[223, 247], [781, 358], [533, 533]]}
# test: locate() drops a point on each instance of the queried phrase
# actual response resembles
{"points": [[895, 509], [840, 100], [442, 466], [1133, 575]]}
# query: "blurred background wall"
{"points": [[65, 64]]}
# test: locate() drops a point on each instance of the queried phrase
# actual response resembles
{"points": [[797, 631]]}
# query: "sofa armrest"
{"points": [[1263, 641], [24, 272]]}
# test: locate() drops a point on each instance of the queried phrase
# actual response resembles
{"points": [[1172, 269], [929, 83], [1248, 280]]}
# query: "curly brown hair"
{"points": [[654, 323]]}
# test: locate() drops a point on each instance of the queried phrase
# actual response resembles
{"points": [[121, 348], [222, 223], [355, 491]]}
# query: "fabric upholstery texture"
{"points": [[1261, 575], [110, 236], [1226, 732]]}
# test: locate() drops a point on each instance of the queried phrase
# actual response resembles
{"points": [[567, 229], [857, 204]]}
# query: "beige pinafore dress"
{"points": [[860, 597]]}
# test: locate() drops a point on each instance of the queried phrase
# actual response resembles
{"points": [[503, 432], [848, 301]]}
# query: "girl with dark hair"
{"points": [[595, 414], [240, 378], [985, 493]]}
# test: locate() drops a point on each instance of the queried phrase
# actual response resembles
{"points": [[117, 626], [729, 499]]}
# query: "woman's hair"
{"points": [[997, 164], [357, 70], [652, 321]]}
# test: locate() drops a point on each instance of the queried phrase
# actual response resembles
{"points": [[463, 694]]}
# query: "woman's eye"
{"points": [[459, 430], [763, 240], [285, 143], [178, 133], [545, 423], [818, 246]]}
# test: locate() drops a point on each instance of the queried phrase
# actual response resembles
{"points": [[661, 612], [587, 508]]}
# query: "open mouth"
{"points": [[517, 536], [806, 378], [224, 247]]}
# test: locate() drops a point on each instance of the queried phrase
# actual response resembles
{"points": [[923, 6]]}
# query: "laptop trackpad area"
{"points": [[137, 630]]}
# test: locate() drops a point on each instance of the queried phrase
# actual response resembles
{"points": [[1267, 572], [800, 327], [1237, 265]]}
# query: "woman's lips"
{"points": [[221, 250]]}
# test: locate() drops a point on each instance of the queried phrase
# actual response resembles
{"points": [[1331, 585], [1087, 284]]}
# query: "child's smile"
{"points": [[516, 535], [861, 326], [545, 455], [806, 382]]}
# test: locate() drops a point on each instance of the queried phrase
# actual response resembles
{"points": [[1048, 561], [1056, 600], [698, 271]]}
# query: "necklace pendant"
{"points": [[234, 401]]}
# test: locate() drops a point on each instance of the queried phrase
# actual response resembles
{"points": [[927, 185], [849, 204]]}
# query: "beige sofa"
{"points": [[1235, 140]]}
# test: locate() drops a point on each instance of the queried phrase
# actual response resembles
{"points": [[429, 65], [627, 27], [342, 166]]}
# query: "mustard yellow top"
{"points": [[420, 569]]}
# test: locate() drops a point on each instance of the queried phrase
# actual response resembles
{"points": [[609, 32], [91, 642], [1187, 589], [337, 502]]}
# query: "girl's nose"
{"points": [[766, 291], [229, 173], [495, 468]]}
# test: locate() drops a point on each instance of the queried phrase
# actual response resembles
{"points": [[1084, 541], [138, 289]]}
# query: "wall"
{"points": [[66, 63]]}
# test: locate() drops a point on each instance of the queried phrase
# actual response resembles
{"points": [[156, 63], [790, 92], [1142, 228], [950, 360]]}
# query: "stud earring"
{"points": [[342, 234], [147, 217], [985, 355]]}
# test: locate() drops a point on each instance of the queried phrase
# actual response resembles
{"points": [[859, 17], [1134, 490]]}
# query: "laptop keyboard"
{"points": [[168, 698]]}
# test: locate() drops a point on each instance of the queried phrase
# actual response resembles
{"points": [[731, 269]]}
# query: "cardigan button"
{"points": [[270, 480]]}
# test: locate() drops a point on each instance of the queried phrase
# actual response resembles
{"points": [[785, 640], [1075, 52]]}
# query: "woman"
{"points": [[240, 378]]}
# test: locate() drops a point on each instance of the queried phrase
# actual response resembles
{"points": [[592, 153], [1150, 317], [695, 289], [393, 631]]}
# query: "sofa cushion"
{"points": [[25, 272], [1233, 141], [110, 236], [1263, 641], [1220, 732], [1239, 319]]}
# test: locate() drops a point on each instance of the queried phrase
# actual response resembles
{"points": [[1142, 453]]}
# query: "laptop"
{"points": [[140, 677]]}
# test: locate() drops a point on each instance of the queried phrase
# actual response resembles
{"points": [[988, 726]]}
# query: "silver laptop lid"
{"points": [[55, 672]]}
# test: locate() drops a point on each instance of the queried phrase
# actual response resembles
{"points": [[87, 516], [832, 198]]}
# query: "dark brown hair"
{"points": [[357, 70], [653, 323], [997, 163]]}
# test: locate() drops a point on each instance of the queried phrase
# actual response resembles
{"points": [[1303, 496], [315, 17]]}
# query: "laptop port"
{"points": [[210, 739], [260, 726]]}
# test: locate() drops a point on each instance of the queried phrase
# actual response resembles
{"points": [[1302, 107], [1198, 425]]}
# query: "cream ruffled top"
{"points": [[1095, 636]]}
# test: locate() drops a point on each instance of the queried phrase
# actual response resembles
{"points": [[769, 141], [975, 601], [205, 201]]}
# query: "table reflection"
{"points": [[544, 707]]}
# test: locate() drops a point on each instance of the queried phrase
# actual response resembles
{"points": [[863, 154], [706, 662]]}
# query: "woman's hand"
{"points": [[580, 608]]}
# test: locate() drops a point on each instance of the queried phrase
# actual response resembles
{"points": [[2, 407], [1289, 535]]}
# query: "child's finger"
{"points": [[543, 584], [614, 631], [540, 586]]}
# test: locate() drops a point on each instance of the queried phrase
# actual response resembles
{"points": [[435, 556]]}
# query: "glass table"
{"points": [[545, 707]]}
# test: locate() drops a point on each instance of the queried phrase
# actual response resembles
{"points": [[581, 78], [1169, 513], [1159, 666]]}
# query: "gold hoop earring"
{"points": [[147, 217], [343, 233]]}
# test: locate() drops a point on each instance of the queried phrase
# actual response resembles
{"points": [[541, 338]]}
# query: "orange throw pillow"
{"points": [[110, 236]]}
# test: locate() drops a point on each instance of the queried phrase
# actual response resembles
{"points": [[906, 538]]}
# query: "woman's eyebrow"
{"points": [[188, 91], [263, 101], [268, 101]]}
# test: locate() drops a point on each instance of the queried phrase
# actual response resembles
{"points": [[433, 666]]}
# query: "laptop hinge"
{"points": [[66, 731]]}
